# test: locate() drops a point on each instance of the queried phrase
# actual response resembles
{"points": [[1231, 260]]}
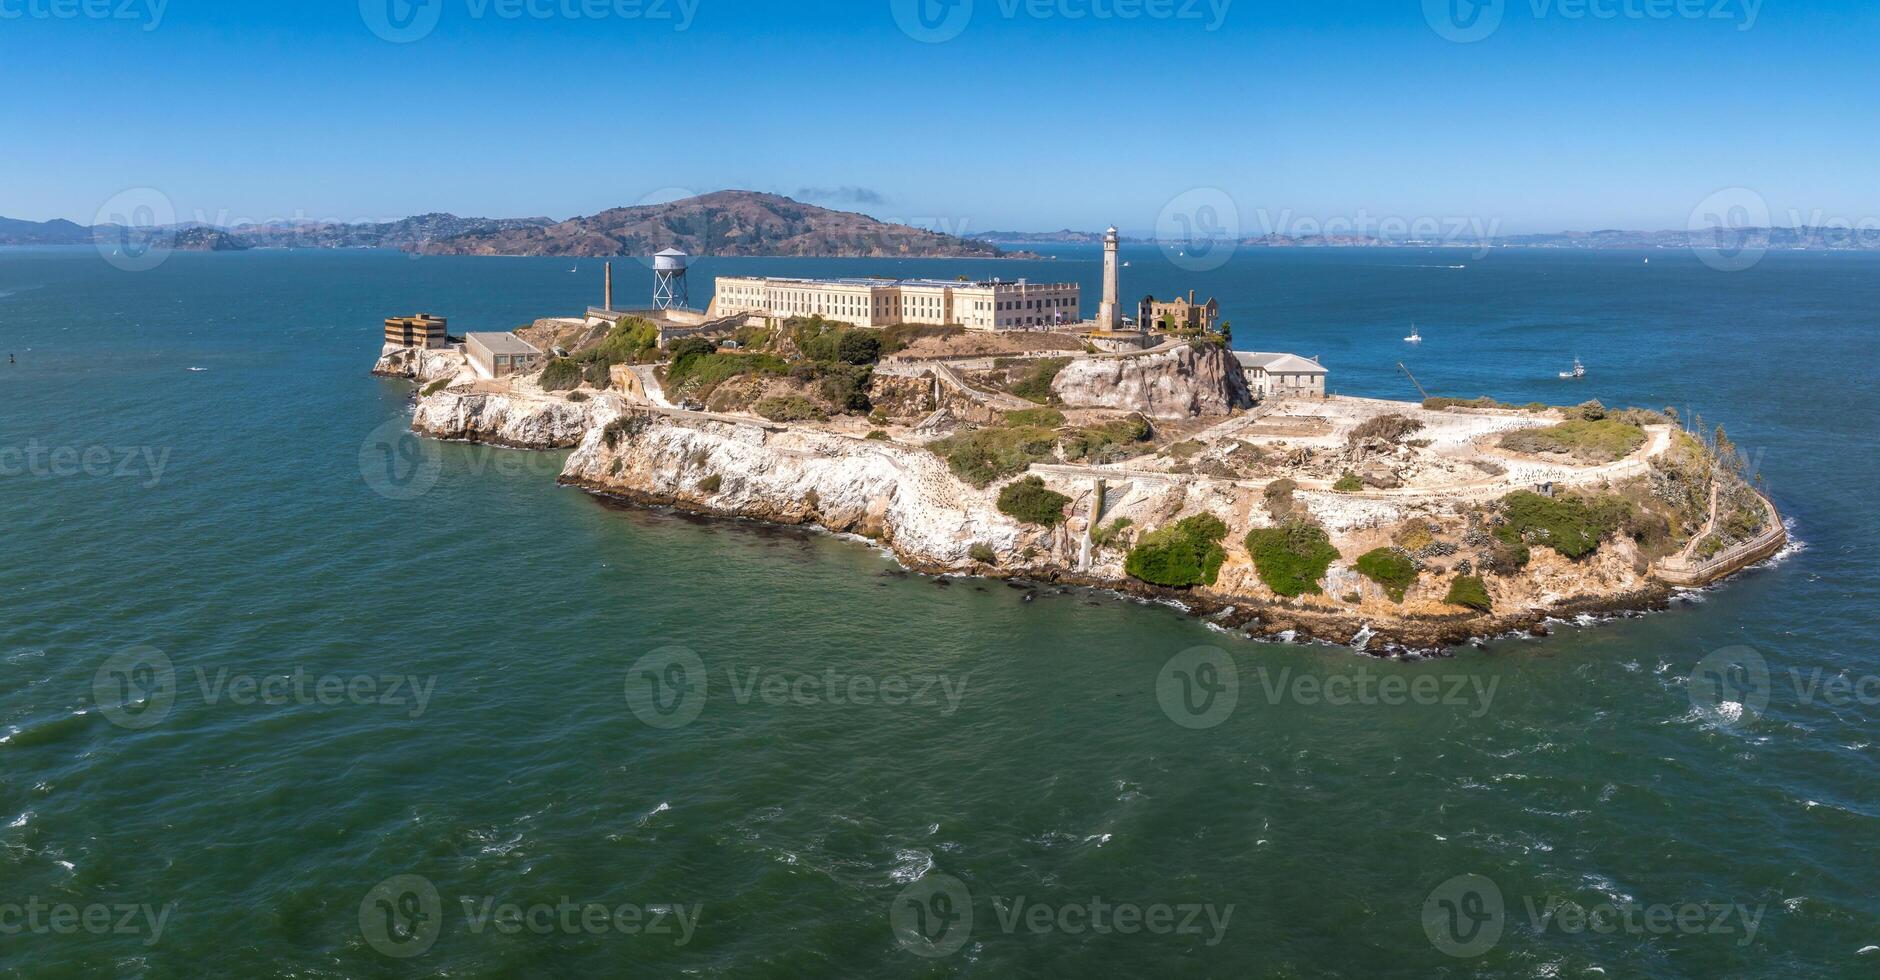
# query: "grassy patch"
{"points": [[1390, 428], [1349, 483], [1570, 525], [435, 387], [1470, 591], [1044, 418], [790, 408], [1036, 386], [1184, 554], [697, 372], [711, 484], [1110, 441], [1107, 534], [1593, 441], [1390, 568], [1030, 501], [983, 554], [1291, 558], [983, 456]]}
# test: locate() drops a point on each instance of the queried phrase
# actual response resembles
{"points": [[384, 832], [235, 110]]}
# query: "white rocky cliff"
{"points": [[1200, 379]]}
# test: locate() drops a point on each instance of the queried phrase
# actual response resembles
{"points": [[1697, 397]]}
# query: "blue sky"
{"points": [[1028, 114]]}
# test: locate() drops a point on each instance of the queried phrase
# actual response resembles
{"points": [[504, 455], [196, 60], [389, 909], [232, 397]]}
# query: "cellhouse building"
{"points": [[987, 305]]}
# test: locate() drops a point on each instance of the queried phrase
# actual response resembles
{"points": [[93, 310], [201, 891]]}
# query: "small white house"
{"points": [[1271, 375]]}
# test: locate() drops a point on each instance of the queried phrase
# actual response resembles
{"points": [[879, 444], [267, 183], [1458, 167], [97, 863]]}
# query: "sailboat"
{"points": [[1579, 371], [574, 269], [1416, 337]]}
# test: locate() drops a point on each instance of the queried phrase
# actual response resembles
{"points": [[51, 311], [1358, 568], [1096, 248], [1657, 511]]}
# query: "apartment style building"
{"points": [[990, 305]]}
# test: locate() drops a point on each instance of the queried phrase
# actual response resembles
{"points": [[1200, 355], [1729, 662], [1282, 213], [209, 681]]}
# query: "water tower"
{"points": [[669, 285]]}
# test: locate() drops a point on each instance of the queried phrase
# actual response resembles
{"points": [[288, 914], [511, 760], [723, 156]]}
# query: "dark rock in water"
{"points": [[894, 573], [1540, 629], [943, 580], [980, 588], [1020, 586]]}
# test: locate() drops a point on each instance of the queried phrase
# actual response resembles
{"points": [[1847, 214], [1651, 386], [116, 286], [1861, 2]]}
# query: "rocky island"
{"points": [[1158, 472]]}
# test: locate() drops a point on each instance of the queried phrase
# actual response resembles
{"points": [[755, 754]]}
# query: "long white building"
{"points": [[990, 305]]}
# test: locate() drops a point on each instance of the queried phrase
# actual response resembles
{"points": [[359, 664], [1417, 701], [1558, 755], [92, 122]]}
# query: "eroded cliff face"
{"points": [[1189, 381], [903, 497], [421, 365], [517, 420]]}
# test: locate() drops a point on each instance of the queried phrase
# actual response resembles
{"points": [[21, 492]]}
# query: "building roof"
{"points": [[502, 343], [909, 283], [1280, 363]]}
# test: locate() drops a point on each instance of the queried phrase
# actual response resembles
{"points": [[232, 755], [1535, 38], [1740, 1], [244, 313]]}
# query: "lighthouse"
{"points": [[1110, 315]]}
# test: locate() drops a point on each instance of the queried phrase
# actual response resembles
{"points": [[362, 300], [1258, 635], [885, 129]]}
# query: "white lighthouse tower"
{"points": [[1110, 315]]}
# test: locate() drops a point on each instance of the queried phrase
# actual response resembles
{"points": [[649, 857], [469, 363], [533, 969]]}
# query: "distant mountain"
{"points": [[723, 223], [58, 231], [409, 233], [203, 238], [1064, 237]]}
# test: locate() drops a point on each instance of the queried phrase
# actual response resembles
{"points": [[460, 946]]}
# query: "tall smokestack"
{"points": [[1191, 297], [607, 298]]}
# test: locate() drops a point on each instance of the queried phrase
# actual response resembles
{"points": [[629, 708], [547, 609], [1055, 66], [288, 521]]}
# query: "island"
{"points": [[1161, 464]]}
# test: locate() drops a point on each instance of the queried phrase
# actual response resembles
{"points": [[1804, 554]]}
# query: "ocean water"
{"points": [[283, 695]]}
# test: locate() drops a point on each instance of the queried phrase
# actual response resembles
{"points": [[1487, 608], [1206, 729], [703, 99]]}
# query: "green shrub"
{"points": [[1110, 441], [1044, 418], [1036, 386], [686, 347], [1030, 501], [1291, 558], [1470, 591], [983, 456], [1390, 568], [435, 387], [560, 374], [1570, 525], [983, 554], [1184, 554], [1104, 535], [858, 347], [701, 371], [846, 386], [630, 341], [711, 484], [878, 435], [1186, 449], [1349, 483], [577, 396], [1594, 441]]}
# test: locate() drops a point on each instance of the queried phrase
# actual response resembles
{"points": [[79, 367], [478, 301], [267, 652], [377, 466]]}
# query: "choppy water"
{"points": [[866, 746]]}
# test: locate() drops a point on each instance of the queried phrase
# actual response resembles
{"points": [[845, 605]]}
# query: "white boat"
{"points": [[575, 269], [1416, 336], [1579, 371]]}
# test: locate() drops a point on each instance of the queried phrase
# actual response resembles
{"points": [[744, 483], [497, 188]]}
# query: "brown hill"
{"points": [[722, 223]]}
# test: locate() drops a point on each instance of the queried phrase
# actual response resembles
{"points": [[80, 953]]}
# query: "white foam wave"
{"points": [[911, 865]]}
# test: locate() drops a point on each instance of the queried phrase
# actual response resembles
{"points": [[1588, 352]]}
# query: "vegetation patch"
{"points": [[711, 484], [560, 374], [1044, 418], [1110, 441], [1105, 535], [790, 408], [1593, 441], [1291, 558], [1030, 501], [1392, 428], [1570, 525], [1349, 483], [1279, 498], [1469, 591], [983, 456], [698, 367], [1390, 568], [1184, 554], [983, 554], [435, 387], [1036, 385]]}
